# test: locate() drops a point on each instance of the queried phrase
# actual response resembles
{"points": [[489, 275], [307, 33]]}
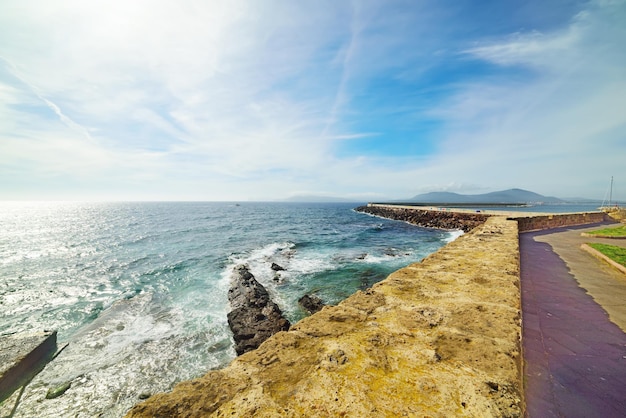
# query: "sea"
{"points": [[138, 291]]}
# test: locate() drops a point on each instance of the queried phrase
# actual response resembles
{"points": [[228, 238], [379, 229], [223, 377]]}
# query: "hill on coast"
{"points": [[503, 196]]}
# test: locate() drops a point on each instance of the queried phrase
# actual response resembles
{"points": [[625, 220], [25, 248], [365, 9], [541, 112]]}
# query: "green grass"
{"points": [[617, 254], [620, 231]]}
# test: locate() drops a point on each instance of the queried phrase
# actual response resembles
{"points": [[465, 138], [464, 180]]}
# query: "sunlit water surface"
{"points": [[139, 290]]}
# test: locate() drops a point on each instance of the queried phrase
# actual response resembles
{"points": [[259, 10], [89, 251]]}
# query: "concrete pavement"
{"points": [[574, 316]]}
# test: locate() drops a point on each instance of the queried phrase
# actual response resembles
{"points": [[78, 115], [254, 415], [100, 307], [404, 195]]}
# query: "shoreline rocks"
{"points": [[277, 267], [311, 303], [254, 317], [428, 218]]}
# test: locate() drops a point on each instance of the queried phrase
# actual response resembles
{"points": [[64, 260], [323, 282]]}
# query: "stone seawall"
{"points": [[427, 218], [438, 338], [533, 223], [467, 219]]}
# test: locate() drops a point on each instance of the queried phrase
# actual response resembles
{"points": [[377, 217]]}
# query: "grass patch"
{"points": [[620, 231], [617, 254]]}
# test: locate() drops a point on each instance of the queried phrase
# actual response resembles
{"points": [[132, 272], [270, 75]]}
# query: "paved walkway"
{"points": [[575, 355]]}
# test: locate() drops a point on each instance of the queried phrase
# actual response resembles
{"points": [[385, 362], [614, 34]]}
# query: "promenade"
{"points": [[574, 317]]}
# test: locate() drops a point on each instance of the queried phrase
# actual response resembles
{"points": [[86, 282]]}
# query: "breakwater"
{"points": [[438, 338], [441, 219], [466, 219]]}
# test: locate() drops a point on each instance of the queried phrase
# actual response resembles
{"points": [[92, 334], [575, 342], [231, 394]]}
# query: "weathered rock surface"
{"points": [[439, 338], [254, 317], [428, 218], [311, 303]]}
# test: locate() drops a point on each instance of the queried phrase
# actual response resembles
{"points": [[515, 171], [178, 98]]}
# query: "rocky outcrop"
{"points": [[427, 218], [311, 303], [439, 338], [254, 317]]}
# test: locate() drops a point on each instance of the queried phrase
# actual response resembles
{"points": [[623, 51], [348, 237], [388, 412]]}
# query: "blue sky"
{"points": [[264, 100]]}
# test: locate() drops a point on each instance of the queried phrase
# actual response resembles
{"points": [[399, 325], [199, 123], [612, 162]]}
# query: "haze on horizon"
{"points": [[264, 100]]}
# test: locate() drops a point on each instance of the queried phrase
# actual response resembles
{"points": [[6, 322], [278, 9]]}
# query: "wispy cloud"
{"points": [[57, 111], [558, 116], [241, 99], [344, 57]]}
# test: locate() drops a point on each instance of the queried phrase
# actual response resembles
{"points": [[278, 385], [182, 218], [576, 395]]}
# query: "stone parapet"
{"points": [[539, 222]]}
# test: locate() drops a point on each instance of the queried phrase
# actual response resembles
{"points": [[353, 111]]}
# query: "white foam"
{"points": [[260, 255], [311, 263], [259, 261], [452, 235], [376, 259]]}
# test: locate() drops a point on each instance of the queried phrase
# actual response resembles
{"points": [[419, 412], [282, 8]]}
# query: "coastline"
{"points": [[600, 288], [437, 337]]}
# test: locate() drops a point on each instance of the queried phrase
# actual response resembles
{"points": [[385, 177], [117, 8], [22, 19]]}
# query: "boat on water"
{"points": [[609, 205]]}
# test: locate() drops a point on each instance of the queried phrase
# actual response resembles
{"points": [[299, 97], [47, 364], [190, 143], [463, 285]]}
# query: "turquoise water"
{"points": [[139, 290]]}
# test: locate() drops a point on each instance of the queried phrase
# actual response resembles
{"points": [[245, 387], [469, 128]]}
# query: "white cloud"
{"points": [[193, 80], [556, 130], [237, 99]]}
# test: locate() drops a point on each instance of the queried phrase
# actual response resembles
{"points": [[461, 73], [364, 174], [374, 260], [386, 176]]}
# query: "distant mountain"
{"points": [[504, 196]]}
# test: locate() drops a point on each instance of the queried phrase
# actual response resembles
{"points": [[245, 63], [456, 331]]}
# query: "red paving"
{"points": [[575, 358]]}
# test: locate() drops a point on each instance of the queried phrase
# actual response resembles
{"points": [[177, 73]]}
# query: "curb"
{"points": [[586, 234], [601, 256]]}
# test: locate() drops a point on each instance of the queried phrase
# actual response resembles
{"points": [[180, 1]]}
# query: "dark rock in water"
{"points": [[254, 317], [311, 303], [276, 267]]}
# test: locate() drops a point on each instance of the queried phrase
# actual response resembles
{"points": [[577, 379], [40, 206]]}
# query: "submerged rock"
{"points": [[277, 267], [254, 316], [311, 303]]}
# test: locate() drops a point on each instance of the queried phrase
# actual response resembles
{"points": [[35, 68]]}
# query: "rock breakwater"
{"points": [[427, 218]]}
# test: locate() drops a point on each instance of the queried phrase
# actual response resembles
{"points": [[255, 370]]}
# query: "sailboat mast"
{"points": [[611, 192]]}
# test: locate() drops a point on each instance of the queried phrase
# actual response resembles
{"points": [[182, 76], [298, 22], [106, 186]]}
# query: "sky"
{"points": [[266, 100]]}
